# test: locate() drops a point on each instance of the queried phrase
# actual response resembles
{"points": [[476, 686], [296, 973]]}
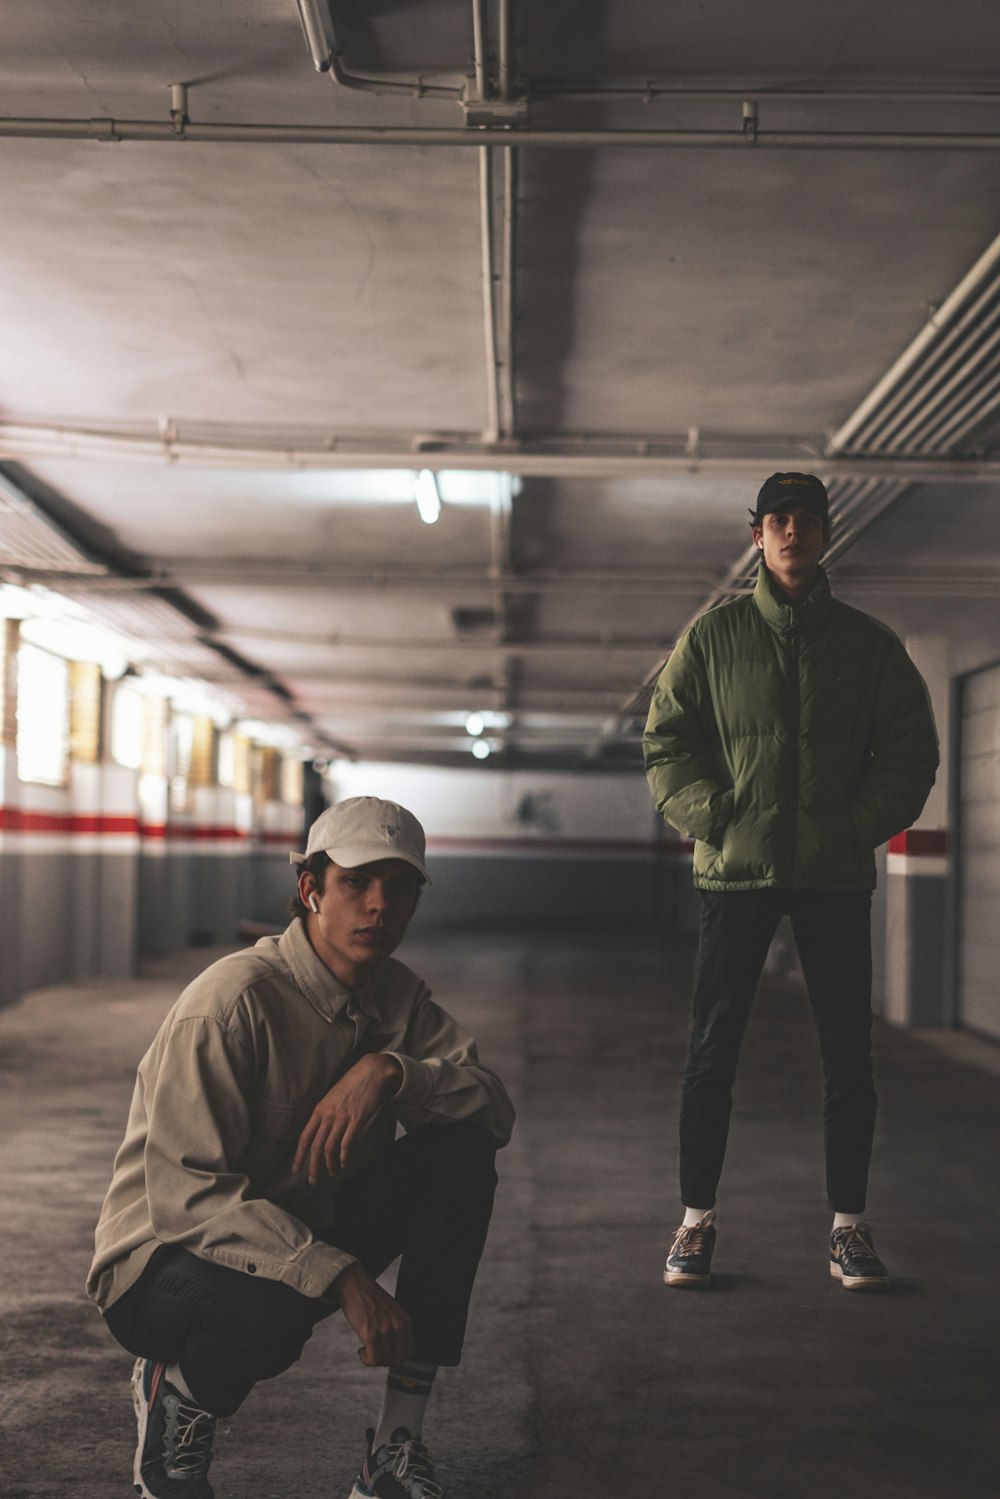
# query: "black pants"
{"points": [[427, 1198], [832, 930]]}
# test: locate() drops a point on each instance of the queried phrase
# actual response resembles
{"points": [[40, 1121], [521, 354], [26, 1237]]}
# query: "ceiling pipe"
{"points": [[505, 27], [507, 290], [481, 49], [940, 323], [447, 645], [904, 421], [572, 455], [153, 132], [648, 91], [491, 432], [182, 571]]}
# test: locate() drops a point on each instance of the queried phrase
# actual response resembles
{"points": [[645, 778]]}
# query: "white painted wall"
{"points": [[485, 803]]}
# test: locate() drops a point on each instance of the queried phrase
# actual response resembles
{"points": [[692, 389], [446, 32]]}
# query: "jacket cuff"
{"points": [[314, 1270], [416, 1088]]}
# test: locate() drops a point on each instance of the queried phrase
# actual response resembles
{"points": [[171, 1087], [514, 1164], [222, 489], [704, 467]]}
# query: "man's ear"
{"points": [[758, 537]]}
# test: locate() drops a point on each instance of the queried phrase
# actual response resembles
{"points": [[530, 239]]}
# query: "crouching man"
{"points": [[260, 1186]]}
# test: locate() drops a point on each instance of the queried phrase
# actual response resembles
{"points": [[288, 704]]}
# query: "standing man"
{"points": [[789, 735], [260, 1187]]}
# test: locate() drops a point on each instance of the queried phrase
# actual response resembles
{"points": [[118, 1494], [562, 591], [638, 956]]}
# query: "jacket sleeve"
{"points": [[443, 1079], [680, 748], [903, 754], [198, 1128]]}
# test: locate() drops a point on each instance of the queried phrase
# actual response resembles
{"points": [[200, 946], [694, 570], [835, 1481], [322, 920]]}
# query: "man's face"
{"points": [[363, 915], [792, 540]]}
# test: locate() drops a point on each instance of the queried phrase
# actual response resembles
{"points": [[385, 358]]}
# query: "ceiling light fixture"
{"points": [[475, 724], [481, 749], [427, 496]]}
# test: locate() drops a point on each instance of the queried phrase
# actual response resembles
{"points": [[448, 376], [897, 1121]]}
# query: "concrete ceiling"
{"points": [[683, 249]]}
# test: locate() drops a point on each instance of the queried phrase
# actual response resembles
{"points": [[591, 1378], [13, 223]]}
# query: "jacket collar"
{"points": [[783, 616], [324, 991]]}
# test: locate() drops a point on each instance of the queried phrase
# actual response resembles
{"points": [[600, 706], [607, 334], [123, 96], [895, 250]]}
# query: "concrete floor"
{"points": [[583, 1375]]}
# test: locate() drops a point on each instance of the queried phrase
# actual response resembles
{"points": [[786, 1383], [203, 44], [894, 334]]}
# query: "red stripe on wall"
{"points": [[16, 820], [195, 834], [930, 841]]}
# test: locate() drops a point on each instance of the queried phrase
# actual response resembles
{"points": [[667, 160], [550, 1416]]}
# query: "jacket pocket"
{"points": [[279, 1121]]}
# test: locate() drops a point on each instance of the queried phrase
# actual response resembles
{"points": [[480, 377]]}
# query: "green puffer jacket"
{"points": [[789, 741]]}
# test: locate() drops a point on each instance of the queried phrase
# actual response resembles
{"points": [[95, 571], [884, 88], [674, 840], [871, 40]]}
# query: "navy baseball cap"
{"points": [[784, 489]]}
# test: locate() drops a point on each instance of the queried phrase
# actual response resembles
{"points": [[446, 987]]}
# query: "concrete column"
{"points": [[917, 875]]}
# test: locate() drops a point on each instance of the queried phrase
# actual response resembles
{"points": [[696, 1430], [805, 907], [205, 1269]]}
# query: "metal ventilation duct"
{"points": [[29, 539], [943, 394]]}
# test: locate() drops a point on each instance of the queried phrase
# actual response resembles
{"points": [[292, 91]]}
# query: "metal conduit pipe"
{"points": [[506, 396], [966, 411], [562, 456], [971, 414], [415, 87], [481, 49], [921, 429], [491, 432], [950, 311], [506, 49], [589, 89], [183, 571], [108, 129], [903, 418], [919, 396]]}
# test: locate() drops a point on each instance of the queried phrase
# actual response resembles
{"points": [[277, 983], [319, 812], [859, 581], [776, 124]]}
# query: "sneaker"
{"points": [[402, 1469], [689, 1262], [175, 1438], [853, 1260]]}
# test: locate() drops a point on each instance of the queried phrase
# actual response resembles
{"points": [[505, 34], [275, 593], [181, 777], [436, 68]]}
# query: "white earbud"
{"points": [[312, 904]]}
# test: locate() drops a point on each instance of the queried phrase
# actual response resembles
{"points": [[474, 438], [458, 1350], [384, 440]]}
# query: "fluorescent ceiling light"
{"points": [[427, 496]]}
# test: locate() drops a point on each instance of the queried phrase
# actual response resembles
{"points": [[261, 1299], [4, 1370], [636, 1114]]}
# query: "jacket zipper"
{"points": [[793, 837]]}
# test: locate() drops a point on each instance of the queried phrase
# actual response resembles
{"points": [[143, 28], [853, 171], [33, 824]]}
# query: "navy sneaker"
{"points": [[689, 1262], [175, 1438], [401, 1469], [853, 1260]]}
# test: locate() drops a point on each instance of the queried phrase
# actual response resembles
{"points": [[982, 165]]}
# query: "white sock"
{"points": [[694, 1216], [407, 1391], [847, 1220], [176, 1378]]}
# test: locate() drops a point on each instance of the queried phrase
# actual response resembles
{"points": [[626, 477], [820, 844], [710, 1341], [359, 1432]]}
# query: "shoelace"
{"points": [[855, 1243], [691, 1240], [189, 1436], [414, 1460]]}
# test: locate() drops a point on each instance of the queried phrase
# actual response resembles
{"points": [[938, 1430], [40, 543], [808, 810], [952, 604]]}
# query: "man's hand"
{"points": [[379, 1320], [341, 1115]]}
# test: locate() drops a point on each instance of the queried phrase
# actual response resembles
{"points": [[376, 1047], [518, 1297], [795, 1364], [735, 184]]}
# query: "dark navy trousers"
{"points": [[426, 1199], [832, 930]]}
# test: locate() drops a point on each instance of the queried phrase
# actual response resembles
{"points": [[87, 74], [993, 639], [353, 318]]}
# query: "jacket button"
{"points": [[251, 1268]]}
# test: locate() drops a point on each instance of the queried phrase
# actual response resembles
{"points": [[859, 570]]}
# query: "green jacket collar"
{"points": [[783, 616]]}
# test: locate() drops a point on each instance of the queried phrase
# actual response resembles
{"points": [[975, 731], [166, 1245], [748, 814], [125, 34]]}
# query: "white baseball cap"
{"points": [[363, 829]]}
